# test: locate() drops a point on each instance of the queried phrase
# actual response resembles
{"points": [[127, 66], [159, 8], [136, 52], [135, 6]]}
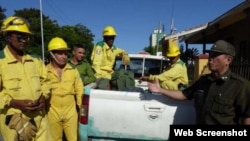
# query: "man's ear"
{"points": [[230, 58], [7, 37]]}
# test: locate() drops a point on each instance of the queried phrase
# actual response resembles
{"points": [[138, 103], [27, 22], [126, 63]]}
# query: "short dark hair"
{"points": [[79, 45]]}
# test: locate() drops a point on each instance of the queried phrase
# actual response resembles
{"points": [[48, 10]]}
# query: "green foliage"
{"points": [[150, 50], [2, 16], [71, 34], [189, 54], [77, 34], [49, 29]]}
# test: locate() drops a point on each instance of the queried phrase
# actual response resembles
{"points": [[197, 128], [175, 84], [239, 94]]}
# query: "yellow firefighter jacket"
{"points": [[21, 80], [103, 59], [173, 76]]}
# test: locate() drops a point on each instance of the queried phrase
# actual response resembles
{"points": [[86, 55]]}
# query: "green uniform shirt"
{"points": [[85, 71], [220, 101]]}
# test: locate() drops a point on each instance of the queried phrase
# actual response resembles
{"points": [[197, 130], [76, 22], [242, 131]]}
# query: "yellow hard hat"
{"points": [[109, 31], [173, 51], [14, 23], [57, 43]]}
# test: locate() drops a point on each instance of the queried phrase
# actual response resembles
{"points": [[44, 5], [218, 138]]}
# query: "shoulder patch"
{"points": [[98, 51]]}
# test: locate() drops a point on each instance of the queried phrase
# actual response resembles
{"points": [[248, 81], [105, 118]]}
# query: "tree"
{"points": [[189, 54], [50, 27], [77, 34], [150, 50], [2, 16], [71, 34]]}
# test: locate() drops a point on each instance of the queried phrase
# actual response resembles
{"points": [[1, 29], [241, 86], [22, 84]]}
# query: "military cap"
{"points": [[223, 47]]}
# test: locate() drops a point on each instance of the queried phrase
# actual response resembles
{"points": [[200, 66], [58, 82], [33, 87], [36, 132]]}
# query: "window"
{"points": [[143, 65]]}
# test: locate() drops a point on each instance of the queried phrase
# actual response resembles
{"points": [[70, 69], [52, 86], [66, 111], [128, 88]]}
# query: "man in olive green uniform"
{"points": [[78, 61], [66, 93], [24, 86], [221, 97], [103, 57], [175, 76]]}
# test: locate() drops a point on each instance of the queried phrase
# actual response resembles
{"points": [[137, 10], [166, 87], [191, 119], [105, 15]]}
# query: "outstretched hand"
{"points": [[154, 86]]}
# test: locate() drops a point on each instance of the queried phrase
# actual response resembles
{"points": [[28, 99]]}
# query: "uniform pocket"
{"points": [[12, 85], [223, 105]]}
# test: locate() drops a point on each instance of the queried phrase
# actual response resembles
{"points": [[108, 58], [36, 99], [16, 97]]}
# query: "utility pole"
{"points": [[157, 41], [42, 39], [159, 31]]}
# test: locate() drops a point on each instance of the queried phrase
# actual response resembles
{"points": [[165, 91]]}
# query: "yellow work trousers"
{"points": [[63, 117]]}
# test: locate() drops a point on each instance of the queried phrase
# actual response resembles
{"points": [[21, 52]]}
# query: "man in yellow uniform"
{"points": [[24, 86], [103, 57], [175, 76], [66, 93]]}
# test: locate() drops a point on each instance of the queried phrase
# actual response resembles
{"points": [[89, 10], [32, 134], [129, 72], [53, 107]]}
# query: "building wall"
{"points": [[155, 37], [200, 67]]}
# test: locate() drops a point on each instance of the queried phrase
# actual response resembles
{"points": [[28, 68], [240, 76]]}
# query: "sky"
{"points": [[133, 20]]}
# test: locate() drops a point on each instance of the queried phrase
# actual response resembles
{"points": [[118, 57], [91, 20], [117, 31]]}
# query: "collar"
{"points": [[225, 77], [66, 67], [11, 59], [176, 62], [70, 62], [109, 48]]}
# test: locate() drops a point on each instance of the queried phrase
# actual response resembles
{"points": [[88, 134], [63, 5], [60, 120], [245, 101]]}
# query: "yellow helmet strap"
{"points": [[53, 56]]}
